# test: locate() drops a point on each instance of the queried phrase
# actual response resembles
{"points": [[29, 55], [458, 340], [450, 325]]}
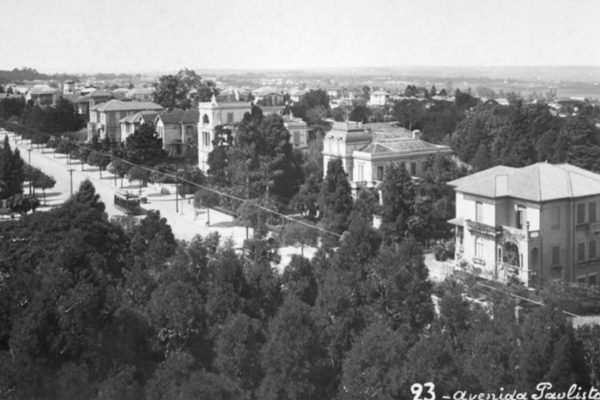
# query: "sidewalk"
{"points": [[183, 221]]}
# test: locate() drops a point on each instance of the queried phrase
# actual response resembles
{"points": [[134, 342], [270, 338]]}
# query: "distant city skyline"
{"points": [[157, 36]]}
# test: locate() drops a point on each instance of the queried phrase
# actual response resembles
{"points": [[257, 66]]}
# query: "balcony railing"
{"points": [[514, 234], [482, 229]]}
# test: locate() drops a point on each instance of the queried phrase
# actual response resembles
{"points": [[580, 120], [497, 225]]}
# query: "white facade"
{"points": [[379, 98], [213, 114]]}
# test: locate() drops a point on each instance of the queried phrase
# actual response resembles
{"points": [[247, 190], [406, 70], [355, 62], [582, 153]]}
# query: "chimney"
{"points": [[416, 134], [501, 185]]}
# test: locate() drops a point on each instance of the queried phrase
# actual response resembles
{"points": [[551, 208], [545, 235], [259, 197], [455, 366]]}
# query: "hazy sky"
{"points": [[167, 35]]}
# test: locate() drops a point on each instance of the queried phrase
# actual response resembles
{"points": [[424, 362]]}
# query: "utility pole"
{"points": [[30, 169], [176, 190], [71, 180]]}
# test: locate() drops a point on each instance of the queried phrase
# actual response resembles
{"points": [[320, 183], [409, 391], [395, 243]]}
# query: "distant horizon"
{"points": [[298, 69], [65, 36]]}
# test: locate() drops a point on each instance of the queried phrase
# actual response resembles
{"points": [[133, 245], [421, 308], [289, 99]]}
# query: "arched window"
{"points": [[511, 254], [205, 119]]}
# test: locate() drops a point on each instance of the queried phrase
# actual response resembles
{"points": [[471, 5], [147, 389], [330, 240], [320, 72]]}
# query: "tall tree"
{"points": [[293, 358], [373, 368], [183, 90], [398, 203], [144, 146], [335, 201]]}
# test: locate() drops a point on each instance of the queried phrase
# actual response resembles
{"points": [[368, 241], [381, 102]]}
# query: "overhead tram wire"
{"points": [[218, 192], [516, 296]]}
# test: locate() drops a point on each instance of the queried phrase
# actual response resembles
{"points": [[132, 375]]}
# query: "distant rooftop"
{"points": [[146, 116], [177, 115], [118, 105], [42, 89]]}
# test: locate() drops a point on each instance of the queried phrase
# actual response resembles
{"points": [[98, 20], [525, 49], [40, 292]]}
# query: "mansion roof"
{"points": [[538, 182], [402, 145], [357, 132]]}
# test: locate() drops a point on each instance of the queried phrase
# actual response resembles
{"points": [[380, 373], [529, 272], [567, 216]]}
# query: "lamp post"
{"points": [[177, 191], [71, 180]]}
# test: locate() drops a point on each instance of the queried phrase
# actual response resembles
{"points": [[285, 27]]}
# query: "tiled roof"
{"points": [[388, 130], [135, 91], [176, 116], [403, 145], [146, 116], [118, 105], [73, 98], [264, 90], [537, 182], [96, 94], [43, 89], [100, 93], [295, 122]]}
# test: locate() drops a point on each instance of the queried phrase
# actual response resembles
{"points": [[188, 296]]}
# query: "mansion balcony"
{"points": [[508, 232], [365, 184]]}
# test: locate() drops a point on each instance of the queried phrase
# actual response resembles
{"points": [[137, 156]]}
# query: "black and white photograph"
{"points": [[299, 200]]}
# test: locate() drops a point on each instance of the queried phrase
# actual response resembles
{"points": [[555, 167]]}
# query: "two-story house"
{"points": [[130, 123], [177, 129], [105, 117], [379, 98], [89, 100], [537, 223], [44, 95]]}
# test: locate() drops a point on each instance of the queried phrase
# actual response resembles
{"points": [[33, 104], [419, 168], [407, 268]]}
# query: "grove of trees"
{"points": [[521, 134], [89, 310]]}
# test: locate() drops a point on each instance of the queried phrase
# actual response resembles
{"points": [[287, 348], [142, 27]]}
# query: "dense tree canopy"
{"points": [[144, 146], [183, 90], [518, 135], [88, 310], [261, 161]]}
